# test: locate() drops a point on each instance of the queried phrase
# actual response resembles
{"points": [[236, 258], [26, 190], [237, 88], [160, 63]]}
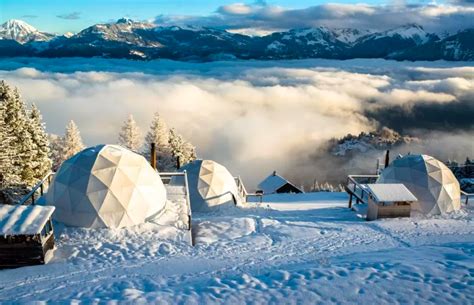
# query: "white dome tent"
{"points": [[433, 184], [210, 186], [106, 186]]}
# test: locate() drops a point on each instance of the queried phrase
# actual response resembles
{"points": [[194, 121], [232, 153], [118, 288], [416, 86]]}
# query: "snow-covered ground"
{"points": [[288, 249]]}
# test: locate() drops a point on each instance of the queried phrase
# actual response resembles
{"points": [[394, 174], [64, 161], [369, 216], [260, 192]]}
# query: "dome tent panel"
{"points": [[211, 186], [116, 188], [435, 187]]}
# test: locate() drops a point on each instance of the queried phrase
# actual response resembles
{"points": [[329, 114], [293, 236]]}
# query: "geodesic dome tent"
{"points": [[106, 186], [432, 183], [210, 185]]}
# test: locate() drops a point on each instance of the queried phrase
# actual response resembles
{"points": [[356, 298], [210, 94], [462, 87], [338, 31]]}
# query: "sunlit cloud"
{"points": [[252, 116]]}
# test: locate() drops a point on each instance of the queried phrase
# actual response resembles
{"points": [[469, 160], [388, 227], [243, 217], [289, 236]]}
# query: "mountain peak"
{"points": [[15, 24], [22, 32], [412, 25], [125, 20]]}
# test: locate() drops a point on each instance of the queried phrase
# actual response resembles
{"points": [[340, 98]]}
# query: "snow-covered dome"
{"points": [[210, 185], [106, 186], [433, 184]]}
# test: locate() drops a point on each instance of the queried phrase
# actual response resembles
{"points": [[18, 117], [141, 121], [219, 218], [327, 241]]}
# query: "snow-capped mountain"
{"points": [[142, 40], [350, 36], [302, 43], [459, 46], [384, 44], [22, 32]]}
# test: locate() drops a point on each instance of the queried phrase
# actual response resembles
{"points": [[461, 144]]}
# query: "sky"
{"points": [[74, 15]]}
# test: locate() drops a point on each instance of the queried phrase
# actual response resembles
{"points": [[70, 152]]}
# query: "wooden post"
{"points": [[153, 155], [350, 200], [387, 158], [178, 163]]}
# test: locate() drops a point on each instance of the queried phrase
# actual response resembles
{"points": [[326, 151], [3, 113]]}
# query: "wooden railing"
{"points": [[356, 187], [167, 177], [41, 186], [466, 197], [241, 188]]}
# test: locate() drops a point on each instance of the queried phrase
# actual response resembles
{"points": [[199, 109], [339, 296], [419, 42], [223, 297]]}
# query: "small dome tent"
{"points": [[210, 185], [432, 183], [106, 186]]}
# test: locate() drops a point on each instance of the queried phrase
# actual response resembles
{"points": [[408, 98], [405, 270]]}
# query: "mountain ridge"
{"points": [[145, 41]]}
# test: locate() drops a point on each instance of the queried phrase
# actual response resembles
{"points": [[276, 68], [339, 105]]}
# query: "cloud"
{"points": [[70, 16], [253, 116], [264, 17]]}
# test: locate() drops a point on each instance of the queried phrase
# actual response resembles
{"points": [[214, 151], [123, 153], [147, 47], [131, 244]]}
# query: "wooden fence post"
{"points": [[153, 155]]}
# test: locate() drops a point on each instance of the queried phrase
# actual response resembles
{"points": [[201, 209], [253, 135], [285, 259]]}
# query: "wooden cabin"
{"points": [[276, 184], [26, 235], [389, 201]]}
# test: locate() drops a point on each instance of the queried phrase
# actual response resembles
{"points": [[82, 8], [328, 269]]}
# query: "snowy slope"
{"points": [[303, 249]]}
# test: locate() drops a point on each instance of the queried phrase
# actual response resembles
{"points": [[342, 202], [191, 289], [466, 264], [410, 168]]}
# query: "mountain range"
{"points": [[145, 41]]}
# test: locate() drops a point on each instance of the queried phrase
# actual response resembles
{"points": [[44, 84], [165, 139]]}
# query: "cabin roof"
{"points": [[273, 182], [391, 192], [23, 220]]}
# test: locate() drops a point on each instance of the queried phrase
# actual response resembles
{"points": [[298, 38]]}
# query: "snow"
{"points": [[391, 192], [290, 249], [23, 220]]}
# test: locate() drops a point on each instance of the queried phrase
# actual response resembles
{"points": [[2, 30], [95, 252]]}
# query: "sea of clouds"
{"points": [[257, 116]]}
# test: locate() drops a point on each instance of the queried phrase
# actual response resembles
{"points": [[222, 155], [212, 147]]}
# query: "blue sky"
{"points": [[43, 14], [74, 15]]}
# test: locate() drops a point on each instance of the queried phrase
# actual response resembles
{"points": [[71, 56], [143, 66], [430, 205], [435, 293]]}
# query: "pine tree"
{"points": [[130, 135], [70, 144], [176, 146], [159, 134], [8, 174], [16, 120], [55, 148], [41, 162], [189, 153], [183, 152]]}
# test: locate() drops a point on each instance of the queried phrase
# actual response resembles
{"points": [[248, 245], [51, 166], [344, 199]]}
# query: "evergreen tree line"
{"points": [[24, 144], [171, 148], [462, 171], [28, 153]]}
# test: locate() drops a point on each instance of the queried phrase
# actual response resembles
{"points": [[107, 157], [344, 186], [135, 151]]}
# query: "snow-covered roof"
{"points": [[391, 192], [272, 183], [22, 219]]}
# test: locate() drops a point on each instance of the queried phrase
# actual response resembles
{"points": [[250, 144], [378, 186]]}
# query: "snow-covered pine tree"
{"points": [[176, 146], [41, 161], [189, 153], [55, 150], [16, 120], [130, 135], [181, 149], [8, 174], [71, 143], [159, 134]]}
